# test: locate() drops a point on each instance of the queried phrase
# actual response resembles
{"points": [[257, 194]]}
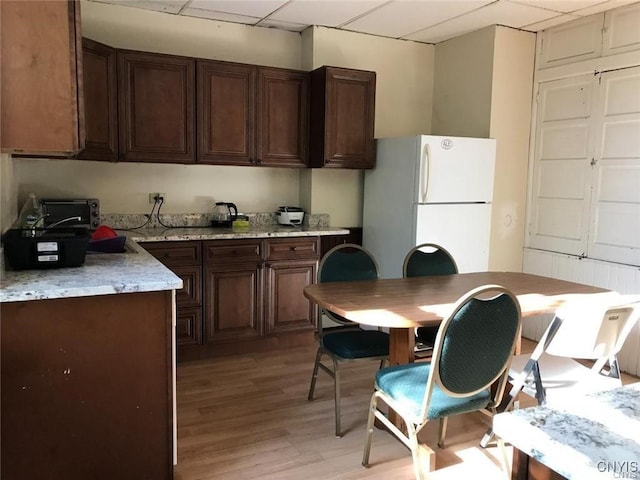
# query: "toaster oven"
{"points": [[74, 212]]}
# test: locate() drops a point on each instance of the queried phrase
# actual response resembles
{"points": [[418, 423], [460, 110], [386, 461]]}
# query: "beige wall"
{"points": [[404, 93], [511, 100], [404, 96], [462, 85], [482, 88], [137, 29], [8, 200]]}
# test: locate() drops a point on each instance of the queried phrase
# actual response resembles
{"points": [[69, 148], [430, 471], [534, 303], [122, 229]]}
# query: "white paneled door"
{"points": [[615, 211], [562, 166], [585, 197]]}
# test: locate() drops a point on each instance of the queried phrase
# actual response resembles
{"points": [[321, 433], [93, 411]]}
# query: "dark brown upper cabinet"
{"points": [[250, 115], [156, 113], [100, 101], [41, 76], [283, 117], [226, 113], [342, 118]]}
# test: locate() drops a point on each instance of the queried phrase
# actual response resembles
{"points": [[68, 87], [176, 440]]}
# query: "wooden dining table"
{"points": [[401, 304]]}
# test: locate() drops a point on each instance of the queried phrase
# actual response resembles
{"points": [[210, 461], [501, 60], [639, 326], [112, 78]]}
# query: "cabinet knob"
{"points": [[293, 248]]}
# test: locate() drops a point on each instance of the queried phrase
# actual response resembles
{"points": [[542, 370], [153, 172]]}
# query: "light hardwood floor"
{"points": [[248, 417]]}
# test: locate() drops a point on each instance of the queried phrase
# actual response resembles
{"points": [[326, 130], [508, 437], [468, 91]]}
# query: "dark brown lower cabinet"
{"points": [[185, 260], [240, 290], [87, 387], [233, 302], [287, 309]]}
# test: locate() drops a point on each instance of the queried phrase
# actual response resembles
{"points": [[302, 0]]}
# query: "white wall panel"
{"points": [[622, 30], [572, 42]]}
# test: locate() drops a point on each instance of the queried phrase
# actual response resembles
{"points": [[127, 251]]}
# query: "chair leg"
{"points": [[336, 383], [442, 431], [314, 376], [504, 459], [372, 416], [415, 451]]}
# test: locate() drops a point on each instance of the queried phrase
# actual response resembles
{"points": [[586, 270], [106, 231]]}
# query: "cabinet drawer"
{"points": [[293, 248], [232, 251], [175, 253]]}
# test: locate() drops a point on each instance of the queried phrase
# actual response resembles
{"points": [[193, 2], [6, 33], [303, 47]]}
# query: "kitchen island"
{"points": [[88, 378]]}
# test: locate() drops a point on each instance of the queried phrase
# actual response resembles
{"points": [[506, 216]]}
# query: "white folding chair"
{"points": [[590, 330]]}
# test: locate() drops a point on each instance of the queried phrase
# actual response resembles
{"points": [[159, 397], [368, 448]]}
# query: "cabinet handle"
{"points": [[293, 248]]}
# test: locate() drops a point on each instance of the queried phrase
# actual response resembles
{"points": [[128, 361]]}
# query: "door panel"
{"points": [[283, 118], [287, 307], [562, 176], [226, 113], [462, 229], [456, 169], [156, 107], [233, 302], [615, 215]]}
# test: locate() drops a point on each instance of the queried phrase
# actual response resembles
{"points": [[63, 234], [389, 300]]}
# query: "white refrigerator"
{"points": [[428, 188]]}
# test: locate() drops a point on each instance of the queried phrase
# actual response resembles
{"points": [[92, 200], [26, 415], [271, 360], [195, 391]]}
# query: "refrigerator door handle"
{"points": [[424, 177]]}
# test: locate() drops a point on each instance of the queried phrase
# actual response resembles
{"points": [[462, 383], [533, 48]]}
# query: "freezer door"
{"points": [[462, 229], [455, 170]]}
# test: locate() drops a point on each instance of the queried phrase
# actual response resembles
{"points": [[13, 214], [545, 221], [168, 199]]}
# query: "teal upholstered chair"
{"points": [[424, 260], [346, 262], [472, 353]]}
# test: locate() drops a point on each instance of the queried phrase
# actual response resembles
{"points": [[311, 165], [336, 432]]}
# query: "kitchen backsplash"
{"points": [[129, 221]]}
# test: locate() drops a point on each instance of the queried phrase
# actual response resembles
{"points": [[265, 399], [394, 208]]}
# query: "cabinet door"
{"points": [[191, 292], [287, 309], [188, 326], [42, 100], [226, 113], [342, 118], [283, 114], [156, 107], [100, 101], [233, 302]]}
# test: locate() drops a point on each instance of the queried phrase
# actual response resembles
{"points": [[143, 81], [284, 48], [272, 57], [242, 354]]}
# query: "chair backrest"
{"points": [[428, 259], [593, 329], [475, 344], [344, 263]]}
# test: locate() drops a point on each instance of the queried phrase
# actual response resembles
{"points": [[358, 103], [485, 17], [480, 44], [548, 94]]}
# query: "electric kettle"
{"points": [[224, 214]]}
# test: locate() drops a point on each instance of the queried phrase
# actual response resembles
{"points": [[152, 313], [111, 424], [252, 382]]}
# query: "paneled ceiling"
{"points": [[428, 21]]}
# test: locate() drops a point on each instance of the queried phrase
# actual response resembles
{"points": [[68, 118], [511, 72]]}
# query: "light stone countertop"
{"points": [[139, 271], [592, 437], [210, 233], [101, 274]]}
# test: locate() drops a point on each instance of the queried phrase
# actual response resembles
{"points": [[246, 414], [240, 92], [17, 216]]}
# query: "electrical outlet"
{"points": [[156, 196]]}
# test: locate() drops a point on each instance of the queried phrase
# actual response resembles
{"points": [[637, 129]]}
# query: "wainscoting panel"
{"points": [[621, 278]]}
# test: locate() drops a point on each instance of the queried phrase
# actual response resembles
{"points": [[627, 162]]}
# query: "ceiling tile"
{"points": [[565, 6], [400, 18], [167, 6], [249, 8], [327, 13], [603, 6], [221, 16], [502, 13]]}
